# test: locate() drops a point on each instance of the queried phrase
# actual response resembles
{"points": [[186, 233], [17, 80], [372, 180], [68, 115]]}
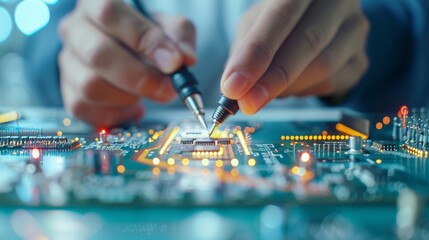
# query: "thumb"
{"points": [[183, 33]]}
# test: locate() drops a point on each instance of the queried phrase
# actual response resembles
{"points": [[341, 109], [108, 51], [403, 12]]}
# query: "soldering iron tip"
{"points": [[214, 126], [202, 121]]}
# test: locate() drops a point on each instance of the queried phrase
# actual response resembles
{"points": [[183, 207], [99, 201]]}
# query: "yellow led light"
{"points": [[251, 162], [219, 163], [156, 161], [59, 133], [287, 138], [120, 169], [234, 162], [301, 138], [292, 138], [185, 162], [155, 136], [205, 162], [378, 161], [282, 138], [151, 131], [171, 161], [295, 170]]}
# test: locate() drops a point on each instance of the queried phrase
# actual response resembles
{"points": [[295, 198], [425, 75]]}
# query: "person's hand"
{"points": [[113, 56], [296, 47]]}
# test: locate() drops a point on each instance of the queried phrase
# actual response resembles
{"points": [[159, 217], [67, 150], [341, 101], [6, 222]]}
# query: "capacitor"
{"points": [[355, 144], [425, 136], [395, 128]]}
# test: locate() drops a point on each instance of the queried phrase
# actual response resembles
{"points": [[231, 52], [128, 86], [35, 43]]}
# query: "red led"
{"points": [[35, 153], [305, 157]]}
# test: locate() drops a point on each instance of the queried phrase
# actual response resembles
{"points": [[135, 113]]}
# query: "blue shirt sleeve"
{"points": [[41, 53], [398, 50]]}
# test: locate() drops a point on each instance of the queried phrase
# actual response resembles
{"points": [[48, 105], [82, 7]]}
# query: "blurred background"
{"points": [[19, 19]]}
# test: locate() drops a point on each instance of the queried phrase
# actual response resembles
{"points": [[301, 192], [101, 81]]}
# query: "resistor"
{"points": [[248, 138]]}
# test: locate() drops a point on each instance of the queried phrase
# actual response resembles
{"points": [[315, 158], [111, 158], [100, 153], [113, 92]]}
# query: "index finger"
{"points": [[257, 48], [133, 30]]}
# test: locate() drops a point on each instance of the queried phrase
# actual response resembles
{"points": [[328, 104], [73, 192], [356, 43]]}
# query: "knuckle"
{"points": [[260, 50], [281, 75], [184, 23], [61, 58], [63, 26], [361, 64], [365, 23], [98, 54], [286, 10], [313, 38], [148, 39], [107, 12]]}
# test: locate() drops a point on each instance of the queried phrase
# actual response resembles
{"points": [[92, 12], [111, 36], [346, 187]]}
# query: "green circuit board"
{"points": [[254, 164]]}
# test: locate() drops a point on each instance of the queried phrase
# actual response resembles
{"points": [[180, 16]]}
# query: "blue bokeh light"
{"points": [[50, 1], [31, 16], [6, 24]]}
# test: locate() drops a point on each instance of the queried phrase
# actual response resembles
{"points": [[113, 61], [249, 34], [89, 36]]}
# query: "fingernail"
{"points": [[236, 83], [187, 49], [166, 60], [255, 99]]}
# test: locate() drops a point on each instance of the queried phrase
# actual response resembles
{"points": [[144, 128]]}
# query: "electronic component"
{"points": [[259, 164], [226, 107]]}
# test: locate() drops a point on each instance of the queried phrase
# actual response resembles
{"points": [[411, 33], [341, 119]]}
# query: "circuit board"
{"points": [[256, 163]]}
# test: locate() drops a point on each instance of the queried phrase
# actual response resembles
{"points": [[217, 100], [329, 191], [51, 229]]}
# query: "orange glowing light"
{"points": [[156, 171], [120, 169], [35, 153], [379, 126], [234, 172], [305, 157], [404, 110], [386, 120], [324, 133], [349, 131], [67, 122]]}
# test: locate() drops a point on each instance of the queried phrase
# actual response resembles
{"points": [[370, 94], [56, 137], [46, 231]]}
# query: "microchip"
{"points": [[195, 148], [207, 141], [385, 146]]}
